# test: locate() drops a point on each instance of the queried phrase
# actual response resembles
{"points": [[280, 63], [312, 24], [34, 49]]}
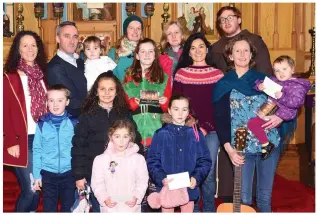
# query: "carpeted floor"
{"points": [[288, 196]]}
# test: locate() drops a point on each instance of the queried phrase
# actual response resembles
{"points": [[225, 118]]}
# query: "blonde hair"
{"points": [[163, 42]]}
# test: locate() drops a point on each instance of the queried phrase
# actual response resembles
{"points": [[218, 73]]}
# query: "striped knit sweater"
{"points": [[197, 83]]}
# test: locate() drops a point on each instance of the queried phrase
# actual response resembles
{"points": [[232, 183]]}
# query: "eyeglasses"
{"points": [[229, 19]]}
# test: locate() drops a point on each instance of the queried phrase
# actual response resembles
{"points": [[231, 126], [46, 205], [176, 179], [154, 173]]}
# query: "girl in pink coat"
{"points": [[119, 175]]}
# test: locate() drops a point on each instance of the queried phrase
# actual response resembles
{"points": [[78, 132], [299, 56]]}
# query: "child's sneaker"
{"points": [[267, 150]]}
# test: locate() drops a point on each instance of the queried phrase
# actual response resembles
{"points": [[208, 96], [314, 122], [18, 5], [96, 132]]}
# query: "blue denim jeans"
{"points": [[56, 185], [265, 170], [28, 200], [209, 185]]}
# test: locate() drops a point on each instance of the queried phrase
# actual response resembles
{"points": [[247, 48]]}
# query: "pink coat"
{"points": [[128, 178]]}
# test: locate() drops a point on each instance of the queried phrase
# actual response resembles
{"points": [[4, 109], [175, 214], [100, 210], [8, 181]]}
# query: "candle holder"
{"points": [[20, 18], [149, 9], [130, 8], [39, 14], [165, 15]]}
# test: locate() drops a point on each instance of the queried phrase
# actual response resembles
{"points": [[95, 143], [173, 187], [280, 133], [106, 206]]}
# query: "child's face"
{"points": [[57, 102], [179, 111], [146, 54], [106, 92], [92, 51], [241, 54], [120, 138], [283, 71]]}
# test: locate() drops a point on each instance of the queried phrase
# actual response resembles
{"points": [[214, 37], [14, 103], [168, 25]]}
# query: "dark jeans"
{"points": [[28, 200], [265, 170], [56, 185]]}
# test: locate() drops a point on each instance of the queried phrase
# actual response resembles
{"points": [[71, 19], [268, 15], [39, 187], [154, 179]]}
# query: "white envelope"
{"points": [[180, 180], [271, 87]]}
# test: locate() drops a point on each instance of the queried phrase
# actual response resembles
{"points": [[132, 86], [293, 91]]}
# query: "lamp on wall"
{"points": [[130, 8], [20, 18], [39, 14], [58, 9], [165, 15], [149, 12]]}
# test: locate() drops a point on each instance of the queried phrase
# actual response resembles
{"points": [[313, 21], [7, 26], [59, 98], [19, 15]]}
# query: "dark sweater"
{"points": [[262, 59], [91, 137], [197, 83], [62, 72]]}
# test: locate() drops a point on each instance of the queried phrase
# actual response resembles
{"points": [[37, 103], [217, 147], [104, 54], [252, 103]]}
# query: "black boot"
{"points": [[268, 150]]}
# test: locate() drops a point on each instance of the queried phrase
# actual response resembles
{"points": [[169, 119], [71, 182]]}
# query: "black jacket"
{"points": [[62, 72], [90, 138]]}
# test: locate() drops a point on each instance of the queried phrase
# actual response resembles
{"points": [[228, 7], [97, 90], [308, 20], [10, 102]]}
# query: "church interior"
{"points": [[286, 28]]}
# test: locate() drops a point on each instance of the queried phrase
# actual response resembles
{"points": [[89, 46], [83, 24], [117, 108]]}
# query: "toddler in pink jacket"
{"points": [[119, 175]]}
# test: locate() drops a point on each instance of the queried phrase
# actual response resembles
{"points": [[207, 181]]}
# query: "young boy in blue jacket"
{"points": [[52, 152]]}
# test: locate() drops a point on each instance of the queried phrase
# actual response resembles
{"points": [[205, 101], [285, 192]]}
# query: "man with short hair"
{"points": [[229, 26], [67, 68]]}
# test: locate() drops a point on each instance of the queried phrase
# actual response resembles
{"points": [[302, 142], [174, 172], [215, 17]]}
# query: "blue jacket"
{"points": [[174, 149], [52, 150]]}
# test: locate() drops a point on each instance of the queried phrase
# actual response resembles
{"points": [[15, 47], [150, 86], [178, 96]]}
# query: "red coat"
{"points": [[15, 126]]}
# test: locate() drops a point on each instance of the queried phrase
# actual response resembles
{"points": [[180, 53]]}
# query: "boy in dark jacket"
{"points": [[51, 152]]}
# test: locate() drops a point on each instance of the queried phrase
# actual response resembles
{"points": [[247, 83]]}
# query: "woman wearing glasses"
{"points": [[229, 26]]}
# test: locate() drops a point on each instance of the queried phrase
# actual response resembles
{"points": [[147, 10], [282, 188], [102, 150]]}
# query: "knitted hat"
{"points": [[130, 19]]}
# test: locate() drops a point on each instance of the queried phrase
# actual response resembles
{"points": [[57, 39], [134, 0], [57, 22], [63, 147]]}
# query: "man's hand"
{"points": [[193, 183]]}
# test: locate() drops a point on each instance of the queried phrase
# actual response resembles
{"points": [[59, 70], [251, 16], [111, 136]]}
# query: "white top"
{"points": [[31, 124], [93, 68], [68, 58]]}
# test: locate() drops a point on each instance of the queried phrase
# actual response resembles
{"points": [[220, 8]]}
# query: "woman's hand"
{"points": [[38, 184], [203, 130], [132, 202], [273, 122], [80, 184], [162, 100], [236, 159], [193, 183], [14, 151], [110, 203]]}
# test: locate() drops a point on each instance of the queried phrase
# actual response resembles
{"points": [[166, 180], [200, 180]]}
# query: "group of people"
{"points": [[75, 122]]}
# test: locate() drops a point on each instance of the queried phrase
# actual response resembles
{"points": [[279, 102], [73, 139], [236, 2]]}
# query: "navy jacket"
{"points": [[62, 72], [174, 149]]}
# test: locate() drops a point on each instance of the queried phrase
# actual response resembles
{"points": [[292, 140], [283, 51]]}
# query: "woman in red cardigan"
{"points": [[24, 103]]}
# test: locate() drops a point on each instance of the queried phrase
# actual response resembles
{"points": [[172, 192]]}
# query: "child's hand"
{"points": [[278, 94], [261, 87], [80, 184], [166, 181], [38, 184], [162, 100], [132, 202], [203, 130], [110, 203], [137, 100], [193, 183]]}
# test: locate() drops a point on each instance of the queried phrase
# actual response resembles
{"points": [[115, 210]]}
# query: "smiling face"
{"points": [[174, 35], [28, 49], [120, 139], [106, 92], [146, 54], [134, 31], [241, 54], [198, 52], [179, 111], [230, 23], [57, 102], [283, 71], [67, 39]]}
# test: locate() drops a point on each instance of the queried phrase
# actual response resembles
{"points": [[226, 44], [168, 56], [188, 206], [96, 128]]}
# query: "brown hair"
{"points": [[59, 87], [155, 70], [95, 40], [286, 58], [236, 12], [163, 42], [118, 124], [229, 47]]}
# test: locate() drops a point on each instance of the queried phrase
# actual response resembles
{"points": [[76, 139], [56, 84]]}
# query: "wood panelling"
{"points": [[266, 23], [285, 17]]}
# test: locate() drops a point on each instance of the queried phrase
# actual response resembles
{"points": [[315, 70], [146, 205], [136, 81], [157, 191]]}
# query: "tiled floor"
{"points": [[294, 165]]}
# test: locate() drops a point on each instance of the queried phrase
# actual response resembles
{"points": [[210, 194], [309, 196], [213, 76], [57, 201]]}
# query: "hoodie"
{"points": [[177, 149], [119, 178]]}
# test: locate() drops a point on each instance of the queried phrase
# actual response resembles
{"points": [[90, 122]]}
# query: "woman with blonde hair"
{"points": [[172, 42]]}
